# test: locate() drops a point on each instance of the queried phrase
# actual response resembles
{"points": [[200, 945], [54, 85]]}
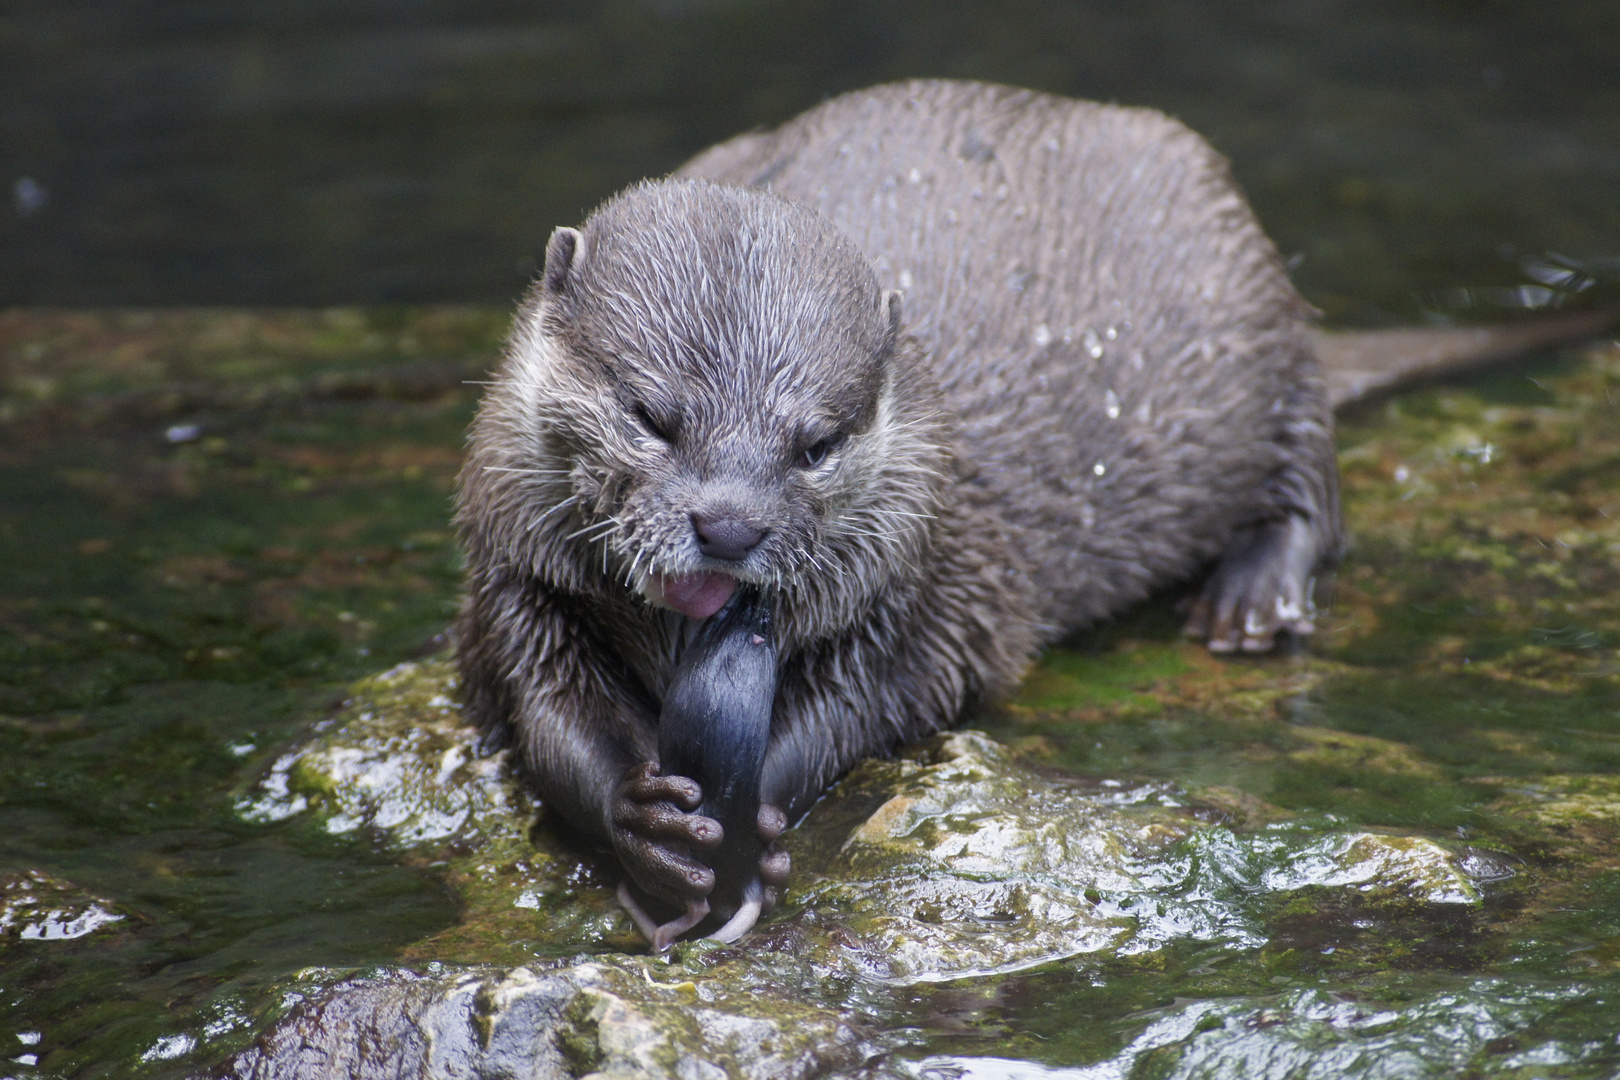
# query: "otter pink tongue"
{"points": [[697, 596]]}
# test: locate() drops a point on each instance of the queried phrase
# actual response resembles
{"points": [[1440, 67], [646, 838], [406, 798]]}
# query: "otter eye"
{"points": [[814, 454], [645, 419]]}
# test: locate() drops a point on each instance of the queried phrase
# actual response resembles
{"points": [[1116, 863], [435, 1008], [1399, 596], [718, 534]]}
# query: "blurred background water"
{"points": [[380, 151]]}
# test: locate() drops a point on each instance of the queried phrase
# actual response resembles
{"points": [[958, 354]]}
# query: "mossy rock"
{"points": [[953, 860], [607, 1019]]}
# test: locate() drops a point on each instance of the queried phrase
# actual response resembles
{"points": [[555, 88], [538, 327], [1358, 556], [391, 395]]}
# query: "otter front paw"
{"points": [[1261, 587], [653, 829], [774, 863]]}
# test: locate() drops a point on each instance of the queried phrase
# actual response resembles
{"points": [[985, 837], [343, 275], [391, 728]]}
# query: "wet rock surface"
{"points": [[952, 862], [1478, 1028], [604, 1019], [38, 907]]}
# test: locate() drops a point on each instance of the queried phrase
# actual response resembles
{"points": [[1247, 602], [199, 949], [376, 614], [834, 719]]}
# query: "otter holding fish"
{"points": [[918, 383]]}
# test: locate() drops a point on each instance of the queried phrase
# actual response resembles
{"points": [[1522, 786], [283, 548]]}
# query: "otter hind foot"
{"points": [[1261, 587], [662, 935]]}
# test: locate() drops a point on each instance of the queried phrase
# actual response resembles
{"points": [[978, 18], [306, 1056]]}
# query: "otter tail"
{"points": [[1361, 364]]}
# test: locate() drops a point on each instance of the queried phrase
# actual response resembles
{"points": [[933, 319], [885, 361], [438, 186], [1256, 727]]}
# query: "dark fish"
{"points": [[715, 727]]}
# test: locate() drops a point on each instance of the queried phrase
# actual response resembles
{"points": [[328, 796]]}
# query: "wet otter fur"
{"points": [[1099, 382]]}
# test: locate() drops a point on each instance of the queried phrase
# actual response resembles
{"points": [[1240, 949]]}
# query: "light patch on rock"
{"points": [[35, 906]]}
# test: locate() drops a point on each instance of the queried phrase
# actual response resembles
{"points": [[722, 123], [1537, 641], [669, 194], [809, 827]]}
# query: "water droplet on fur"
{"points": [[1111, 333], [905, 279], [1093, 347], [1098, 469], [1001, 192], [1043, 336], [1088, 515], [1053, 145], [914, 176], [1402, 474], [1111, 405]]}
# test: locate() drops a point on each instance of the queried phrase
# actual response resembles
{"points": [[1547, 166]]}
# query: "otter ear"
{"points": [[564, 253]]}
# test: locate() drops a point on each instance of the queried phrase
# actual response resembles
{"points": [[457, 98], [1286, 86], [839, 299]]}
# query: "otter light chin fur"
{"points": [[1101, 382]]}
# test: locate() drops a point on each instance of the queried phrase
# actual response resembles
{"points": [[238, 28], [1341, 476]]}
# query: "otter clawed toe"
{"points": [[653, 831], [1260, 588], [774, 862]]}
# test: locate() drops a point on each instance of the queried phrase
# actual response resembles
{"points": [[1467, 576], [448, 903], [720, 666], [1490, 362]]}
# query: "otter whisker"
{"points": [[528, 471], [536, 522], [599, 528]]}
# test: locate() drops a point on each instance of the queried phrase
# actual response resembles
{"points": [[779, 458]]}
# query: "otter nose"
{"points": [[725, 537]]}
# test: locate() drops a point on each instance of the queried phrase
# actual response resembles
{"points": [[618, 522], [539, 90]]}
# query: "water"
{"points": [[370, 151], [170, 615]]}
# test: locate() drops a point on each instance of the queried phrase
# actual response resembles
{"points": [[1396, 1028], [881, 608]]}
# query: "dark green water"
{"points": [[171, 614], [365, 151]]}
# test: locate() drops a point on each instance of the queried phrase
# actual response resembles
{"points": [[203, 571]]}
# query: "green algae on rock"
{"points": [[153, 363], [1561, 800], [975, 866], [400, 763]]}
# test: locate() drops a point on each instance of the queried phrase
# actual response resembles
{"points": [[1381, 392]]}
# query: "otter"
{"points": [[942, 371]]}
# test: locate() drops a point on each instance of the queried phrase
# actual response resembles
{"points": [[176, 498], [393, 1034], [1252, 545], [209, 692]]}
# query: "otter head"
{"points": [[706, 387]]}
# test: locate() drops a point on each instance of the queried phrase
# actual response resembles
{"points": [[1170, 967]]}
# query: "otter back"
{"points": [[1128, 362]]}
